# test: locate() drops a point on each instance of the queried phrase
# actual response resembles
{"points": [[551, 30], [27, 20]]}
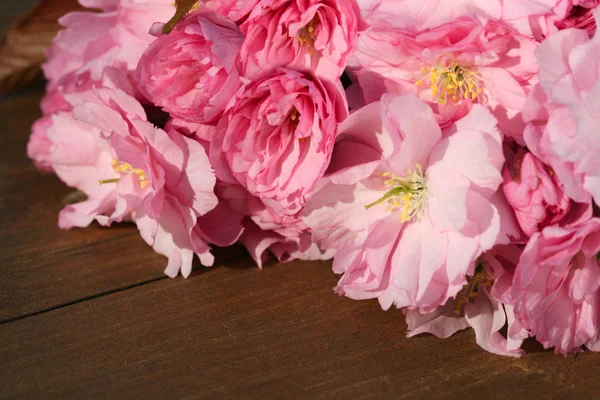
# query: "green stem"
{"points": [[390, 193], [105, 181]]}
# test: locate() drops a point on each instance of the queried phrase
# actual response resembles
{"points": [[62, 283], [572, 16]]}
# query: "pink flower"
{"points": [[410, 208], [580, 15], [562, 113], [235, 10], [117, 36], [535, 194], [286, 237], [131, 170], [555, 287], [285, 248], [524, 16], [311, 34], [61, 99], [38, 147], [476, 306], [277, 140], [191, 72], [451, 67]]}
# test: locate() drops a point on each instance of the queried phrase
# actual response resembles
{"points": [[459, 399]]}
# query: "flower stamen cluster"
{"points": [[307, 34], [294, 119], [121, 167], [407, 193], [452, 81]]}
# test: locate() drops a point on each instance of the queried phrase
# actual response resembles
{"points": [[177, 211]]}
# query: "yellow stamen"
{"points": [[121, 167], [294, 119], [408, 194], [451, 81], [307, 34]]}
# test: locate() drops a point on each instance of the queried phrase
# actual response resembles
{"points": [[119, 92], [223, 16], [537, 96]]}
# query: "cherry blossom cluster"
{"points": [[443, 153]]}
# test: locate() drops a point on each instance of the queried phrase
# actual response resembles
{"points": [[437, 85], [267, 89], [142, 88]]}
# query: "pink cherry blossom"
{"points": [[265, 232], [61, 99], [39, 145], [116, 36], [426, 14], [299, 34], [235, 10], [538, 197], [411, 207], [191, 72], [562, 113], [555, 287], [477, 306], [450, 66], [580, 15], [277, 140], [130, 169], [260, 243]]}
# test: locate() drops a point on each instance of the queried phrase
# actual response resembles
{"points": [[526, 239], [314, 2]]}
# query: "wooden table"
{"points": [[89, 314]]}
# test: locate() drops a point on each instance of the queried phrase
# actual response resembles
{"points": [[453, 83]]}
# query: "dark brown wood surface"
{"points": [[89, 314]]}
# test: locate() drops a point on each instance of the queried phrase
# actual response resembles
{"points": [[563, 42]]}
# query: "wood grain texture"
{"points": [[88, 314], [237, 332], [44, 267], [23, 46]]}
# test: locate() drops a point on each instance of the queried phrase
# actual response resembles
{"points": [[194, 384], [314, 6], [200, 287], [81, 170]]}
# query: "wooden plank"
{"points": [[238, 332], [44, 267]]}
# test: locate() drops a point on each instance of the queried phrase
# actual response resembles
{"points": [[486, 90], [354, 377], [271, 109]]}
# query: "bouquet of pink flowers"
{"points": [[444, 153]]}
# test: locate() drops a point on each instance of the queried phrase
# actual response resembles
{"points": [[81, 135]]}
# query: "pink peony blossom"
{"points": [[277, 140], [555, 287], [131, 170], [117, 36], [191, 72], [451, 67], [536, 194], [562, 113], [410, 208], [299, 34]]}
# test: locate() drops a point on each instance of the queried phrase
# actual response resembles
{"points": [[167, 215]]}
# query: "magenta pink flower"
{"points": [[277, 140], [536, 194], [117, 36], [562, 113], [555, 287], [451, 67], [191, 72], [299, 34], [410, 208]]}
